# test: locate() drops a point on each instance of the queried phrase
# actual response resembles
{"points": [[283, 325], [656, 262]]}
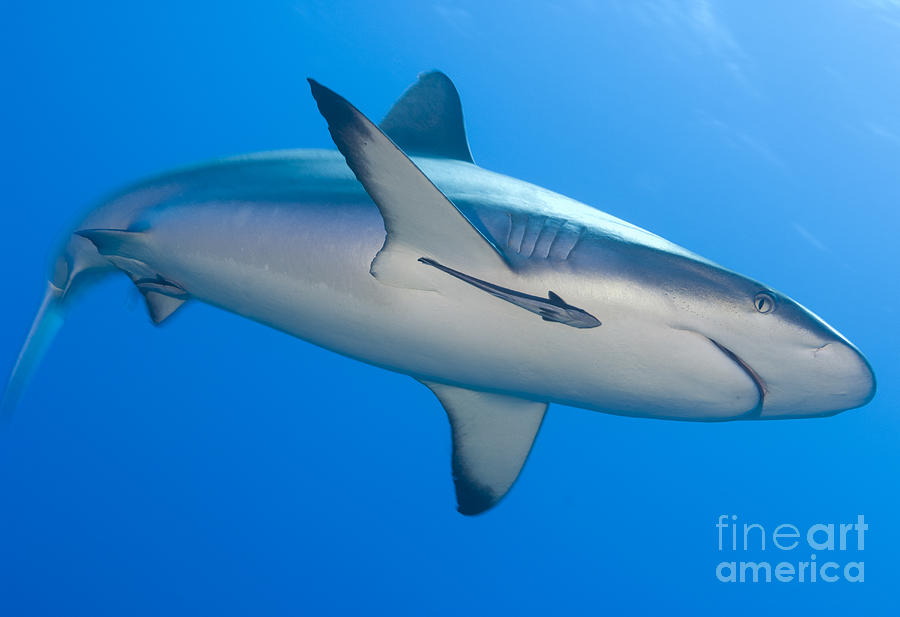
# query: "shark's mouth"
{"points": [[757, 380]]}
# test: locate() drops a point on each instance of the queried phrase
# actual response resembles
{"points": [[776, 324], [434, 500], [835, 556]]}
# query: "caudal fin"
{"points": [[46, 324]]}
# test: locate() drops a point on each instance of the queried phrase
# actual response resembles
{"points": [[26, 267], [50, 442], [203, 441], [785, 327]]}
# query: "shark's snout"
{"points": [[820, 381], [802, 367]]}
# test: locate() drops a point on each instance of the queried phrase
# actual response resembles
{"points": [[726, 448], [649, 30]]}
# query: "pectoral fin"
{"points": [[492, 436], [418, 218]]}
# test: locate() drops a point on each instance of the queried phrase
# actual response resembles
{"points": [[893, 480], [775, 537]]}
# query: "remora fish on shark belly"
{"points": [[395, 251]]}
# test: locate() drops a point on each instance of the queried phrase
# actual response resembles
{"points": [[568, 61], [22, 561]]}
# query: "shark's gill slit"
{"points": [[757, 380]]}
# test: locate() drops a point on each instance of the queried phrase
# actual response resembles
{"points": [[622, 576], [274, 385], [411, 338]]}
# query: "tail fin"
{"points": [[46, 324]]}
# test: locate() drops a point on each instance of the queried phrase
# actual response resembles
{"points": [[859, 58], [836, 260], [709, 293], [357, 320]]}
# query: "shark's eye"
{"points": [[764, 302]]}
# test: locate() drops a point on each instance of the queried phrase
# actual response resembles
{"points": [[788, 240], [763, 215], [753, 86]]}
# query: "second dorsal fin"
{"points": [[427, 120]]}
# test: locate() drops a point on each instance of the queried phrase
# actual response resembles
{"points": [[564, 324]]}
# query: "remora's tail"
{"points": [[46, 324]]}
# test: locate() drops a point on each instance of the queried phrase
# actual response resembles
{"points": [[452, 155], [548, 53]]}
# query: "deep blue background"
{"points": [[215, 467]]}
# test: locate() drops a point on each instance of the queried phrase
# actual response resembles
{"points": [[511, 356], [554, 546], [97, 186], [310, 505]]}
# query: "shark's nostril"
{"points": [[818, 349]]}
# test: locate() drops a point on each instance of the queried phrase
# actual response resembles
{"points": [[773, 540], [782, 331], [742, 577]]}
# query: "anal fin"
{"points": [[127, 250], [492, 436], [163, 297], [161, 306]]}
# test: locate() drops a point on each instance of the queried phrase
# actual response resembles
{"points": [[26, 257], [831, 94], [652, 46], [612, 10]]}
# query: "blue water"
{"points": [[216, 467]]}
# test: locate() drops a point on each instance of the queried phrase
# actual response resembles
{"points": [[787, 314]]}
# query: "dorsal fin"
{"points": [[555, 299], [427, 120]]}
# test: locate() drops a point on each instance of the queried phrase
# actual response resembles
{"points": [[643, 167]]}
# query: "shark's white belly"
{"points": [[304, 269]]}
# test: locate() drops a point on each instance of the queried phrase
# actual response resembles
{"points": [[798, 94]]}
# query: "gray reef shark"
{"points": [[400, 252]]}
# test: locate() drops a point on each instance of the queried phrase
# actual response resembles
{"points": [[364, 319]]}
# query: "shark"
{"points": [[399, 251]]}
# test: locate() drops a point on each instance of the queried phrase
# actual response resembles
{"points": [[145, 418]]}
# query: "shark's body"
{"points": [[460, 283]]}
